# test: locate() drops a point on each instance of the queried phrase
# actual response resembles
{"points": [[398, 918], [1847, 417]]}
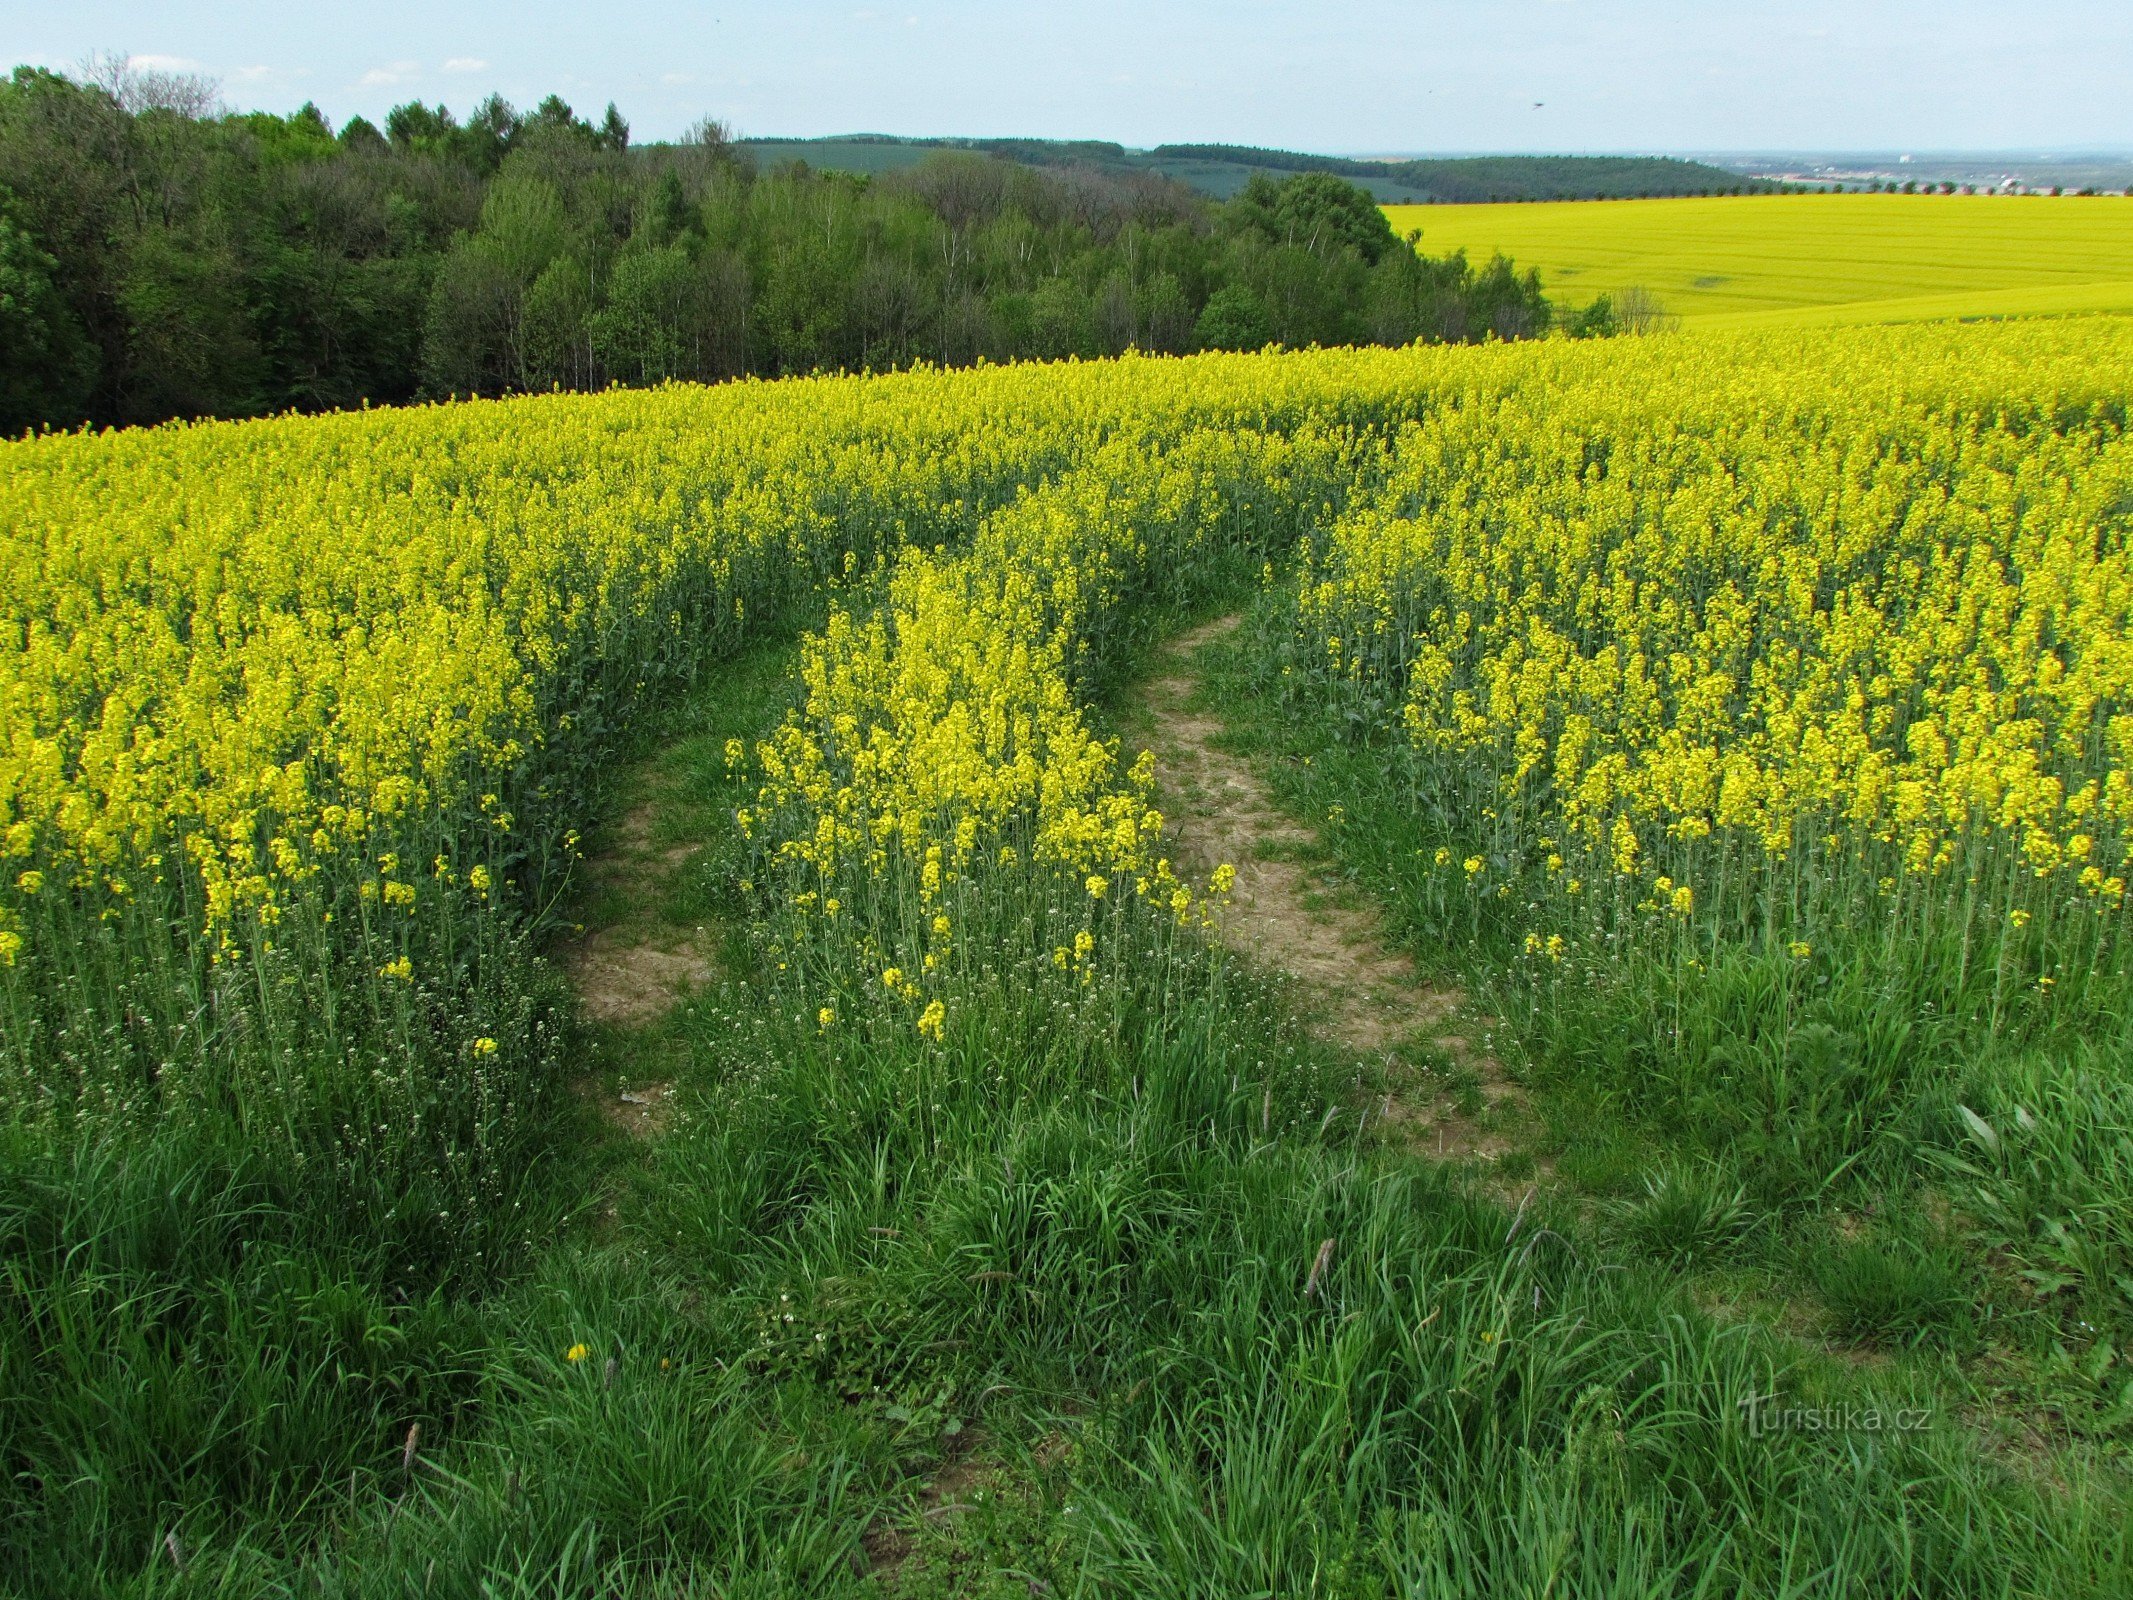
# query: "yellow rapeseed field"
{"points": [[944, 735], [1667, 617], [1795, 260], [315, 692], [1766, 638]]}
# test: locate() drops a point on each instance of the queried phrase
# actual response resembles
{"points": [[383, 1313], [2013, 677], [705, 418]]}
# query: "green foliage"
{"points": [[1596, 321], [1316, 211], [1221, 170], [2043, 1168], [1485, 178], [43, 356], [304, 135], [651, 327], [1233, 319], [216, 265], [180, 262]]}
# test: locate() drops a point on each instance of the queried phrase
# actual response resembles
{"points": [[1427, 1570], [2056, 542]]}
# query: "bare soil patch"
{"points": [[1284, 918], [632, 970], [630, 966], [964, 1471], [627, 980], [640, 1111]]}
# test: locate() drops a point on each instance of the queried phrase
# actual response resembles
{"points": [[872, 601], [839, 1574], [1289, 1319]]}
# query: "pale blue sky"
{"points": [[1368, 77]]}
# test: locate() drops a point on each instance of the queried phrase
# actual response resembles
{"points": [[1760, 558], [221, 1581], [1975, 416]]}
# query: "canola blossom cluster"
{"points": [[943, 736], [1751, 635], [232, 653], [237, 655], [329, 700]]}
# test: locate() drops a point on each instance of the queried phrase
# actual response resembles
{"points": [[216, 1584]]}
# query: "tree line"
{"points": [[161, 257], [1480, 180]]}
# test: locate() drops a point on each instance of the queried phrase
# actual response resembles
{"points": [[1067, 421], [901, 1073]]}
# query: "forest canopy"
{"points": [[163, 257]]}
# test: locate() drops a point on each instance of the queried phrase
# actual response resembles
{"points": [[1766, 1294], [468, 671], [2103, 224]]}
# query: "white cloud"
{"points": [[252, 74], [386, 77], [677, 77], [154, 63], [466, 64]]}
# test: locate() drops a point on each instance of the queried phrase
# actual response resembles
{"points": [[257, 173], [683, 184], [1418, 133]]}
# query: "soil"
{"points": [[886, 1547], [1283, 918], [640, 1111], [633, 971]]}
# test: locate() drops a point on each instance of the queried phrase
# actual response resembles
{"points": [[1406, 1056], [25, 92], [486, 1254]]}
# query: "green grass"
{"points": [[1793, 1137], [680, 874], [843, 1271], [1797, 260]]}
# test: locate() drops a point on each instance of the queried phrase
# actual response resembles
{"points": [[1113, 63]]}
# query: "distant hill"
{"points": [[1221, 170], [1468, 179]]}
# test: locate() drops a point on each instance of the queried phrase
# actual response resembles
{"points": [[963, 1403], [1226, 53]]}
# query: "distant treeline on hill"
{"points": [[160, 258], [1221, 170], [1471, 179]]}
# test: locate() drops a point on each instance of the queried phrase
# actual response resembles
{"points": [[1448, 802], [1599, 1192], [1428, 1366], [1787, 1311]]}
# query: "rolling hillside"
{"points": [[1813, 259], [1221, 170]]}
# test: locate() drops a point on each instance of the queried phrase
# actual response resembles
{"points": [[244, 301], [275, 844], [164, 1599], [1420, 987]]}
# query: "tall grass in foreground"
{"points": [[859, 1256], [1108, 1279]]}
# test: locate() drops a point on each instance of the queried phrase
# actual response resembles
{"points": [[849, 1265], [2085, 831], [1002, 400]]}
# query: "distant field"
{"points": [[1813, 258]]}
